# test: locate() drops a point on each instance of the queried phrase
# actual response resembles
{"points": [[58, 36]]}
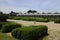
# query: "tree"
{"points": [[13, 13], [34, 11], [56, 13], [3, 17], [31, 11], [49, 13], [1, 12], [43, 13]]}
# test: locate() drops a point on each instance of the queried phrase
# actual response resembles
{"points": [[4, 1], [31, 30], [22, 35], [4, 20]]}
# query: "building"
{"points": [[40, 14]]}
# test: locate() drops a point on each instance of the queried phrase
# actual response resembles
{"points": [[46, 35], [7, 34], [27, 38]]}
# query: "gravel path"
{"points": [[53, 28]]}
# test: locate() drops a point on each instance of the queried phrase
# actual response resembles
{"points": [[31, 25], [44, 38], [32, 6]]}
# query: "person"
{"points": [[34, 22]]}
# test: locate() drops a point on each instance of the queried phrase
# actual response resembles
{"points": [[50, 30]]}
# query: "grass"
{"points": [[5, 37]]}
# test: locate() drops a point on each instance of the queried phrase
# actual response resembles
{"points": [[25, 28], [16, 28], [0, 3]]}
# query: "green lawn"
{"points": [[5, 37]]}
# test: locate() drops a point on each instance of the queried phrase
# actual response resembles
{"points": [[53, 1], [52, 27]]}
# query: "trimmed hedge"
{"points": [[2, 23], [42, 20], [15, 32], [36, 19], [57, 21], [29, 18], [30, 33], [9, 27], [17, 18]]}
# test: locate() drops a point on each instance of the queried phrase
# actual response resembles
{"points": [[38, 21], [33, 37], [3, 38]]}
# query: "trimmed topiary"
{"points": [[9, 27], [2, 23], [42, 20], [15, 32], [57, 21], [30, 33]]}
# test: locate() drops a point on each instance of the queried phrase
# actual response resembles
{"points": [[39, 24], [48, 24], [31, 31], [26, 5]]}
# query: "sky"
{"points": [[25, 5]]}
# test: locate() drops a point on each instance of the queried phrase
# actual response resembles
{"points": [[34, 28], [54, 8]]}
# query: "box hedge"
{"points": [[57, 21], [29, 19], [0, 25], [9, 27], [16, 18], [30, 33], [42, 20], [3, 23]]}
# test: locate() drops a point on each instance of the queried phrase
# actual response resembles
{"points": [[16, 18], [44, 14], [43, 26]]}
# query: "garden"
{"points": [[22, 32], [19, 31], [37, 19]]}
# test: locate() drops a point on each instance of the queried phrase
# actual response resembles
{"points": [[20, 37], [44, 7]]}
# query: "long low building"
{"points": [[40, 14]]}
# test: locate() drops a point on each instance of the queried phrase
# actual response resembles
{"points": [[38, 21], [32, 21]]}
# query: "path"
{"points": [[53, 28]]}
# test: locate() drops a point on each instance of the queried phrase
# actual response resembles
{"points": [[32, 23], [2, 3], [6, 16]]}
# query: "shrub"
{"points": [[32, 19], [30, 33], [28, 18], [14, 32], [57, 21], [10, 17], [1, 24], [9, 27], [16, 18], [3, 18], [42, 20], [25, 18]]}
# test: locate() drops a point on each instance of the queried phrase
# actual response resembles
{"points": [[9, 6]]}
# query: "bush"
{"points": [[57, 21], [10, 17], [28, 19], [1, 24], [30, 33], [17, 18], [15, 32], [42, 20], [3, 18], [9, 27]]}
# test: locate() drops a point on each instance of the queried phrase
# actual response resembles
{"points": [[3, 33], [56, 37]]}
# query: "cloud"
{"points": [[7, 9], [23, 5]]}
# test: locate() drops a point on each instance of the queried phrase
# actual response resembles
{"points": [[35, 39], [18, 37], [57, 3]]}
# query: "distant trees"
{"points": [[13, 13], [49, 13], [3, 17], [56, 13], [34, 11], [1, 12], [43, 13], [31, 11]]}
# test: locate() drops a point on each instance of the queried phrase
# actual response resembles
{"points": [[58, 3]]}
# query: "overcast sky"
{"points": [[24, 5]]}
